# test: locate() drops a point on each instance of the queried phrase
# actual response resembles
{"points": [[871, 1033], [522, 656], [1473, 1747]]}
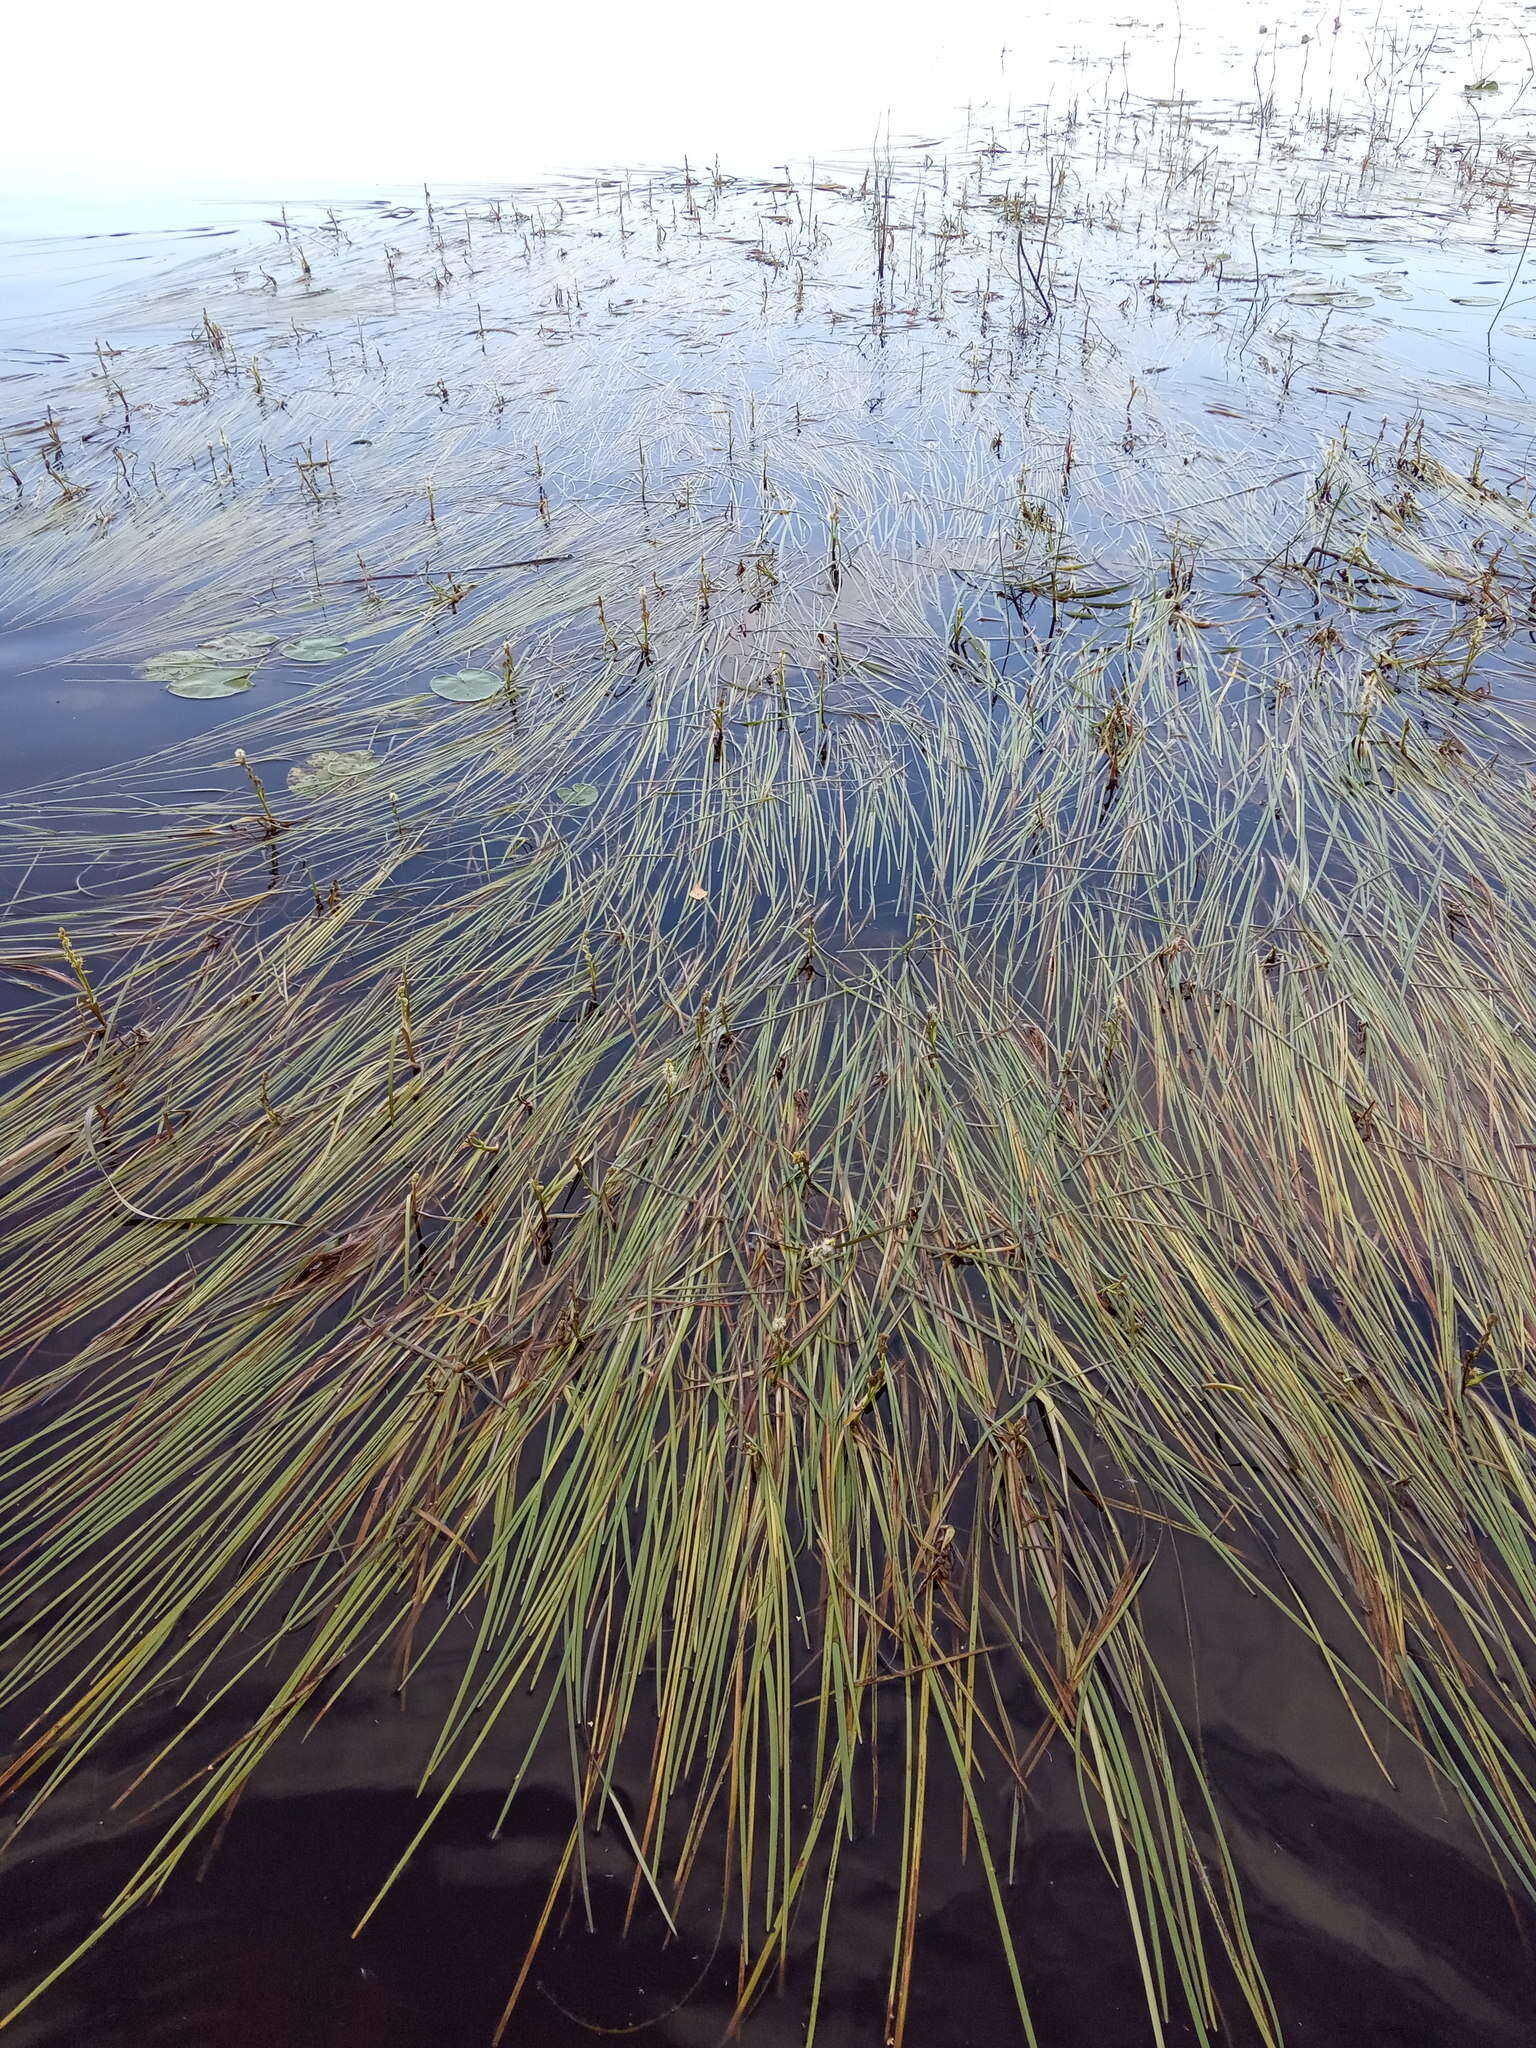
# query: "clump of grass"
{"points": [[696, 1305]]}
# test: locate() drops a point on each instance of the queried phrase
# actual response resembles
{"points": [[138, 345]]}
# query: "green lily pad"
{"points": [[324, 773], [229, 654], [210, 682], [188, 661], [314, 649], [244, 650], [469, 686], [579, 796]]}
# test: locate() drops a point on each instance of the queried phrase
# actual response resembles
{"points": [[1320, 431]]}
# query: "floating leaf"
{"points": [[230, 653], [313, 649], [241, 649], [469, 686], [579, 796], [210, 682], [1319, 295], [324, 773], [190, 661]]}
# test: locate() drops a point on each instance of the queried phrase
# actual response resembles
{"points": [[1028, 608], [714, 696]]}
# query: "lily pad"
{"points": [[211, 682], [579, 796], [314, 649], [469, 686], [241, 649], [324, 773], [182, 662]]}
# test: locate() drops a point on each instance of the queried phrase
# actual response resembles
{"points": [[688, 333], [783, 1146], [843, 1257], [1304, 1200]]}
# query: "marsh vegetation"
{"points": [[799, 1074]]}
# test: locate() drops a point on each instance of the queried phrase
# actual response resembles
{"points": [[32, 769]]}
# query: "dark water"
{"points": [[58, 720], [1415, 1947], [1376, 1913]]}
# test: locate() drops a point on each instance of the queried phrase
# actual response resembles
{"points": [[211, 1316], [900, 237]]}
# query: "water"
{"points": [[1374, 1909], [1227, 295], [836, 464]]}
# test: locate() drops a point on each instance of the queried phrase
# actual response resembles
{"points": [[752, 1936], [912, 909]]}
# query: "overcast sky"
{"points": [[178, 92], [104, 101]]}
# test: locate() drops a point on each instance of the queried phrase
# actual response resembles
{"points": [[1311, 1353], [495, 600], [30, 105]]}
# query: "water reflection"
{"points": [[1374, 1911]]}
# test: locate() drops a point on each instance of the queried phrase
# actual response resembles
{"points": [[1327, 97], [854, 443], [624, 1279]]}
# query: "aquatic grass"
{"points": [[716, 1322]]}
